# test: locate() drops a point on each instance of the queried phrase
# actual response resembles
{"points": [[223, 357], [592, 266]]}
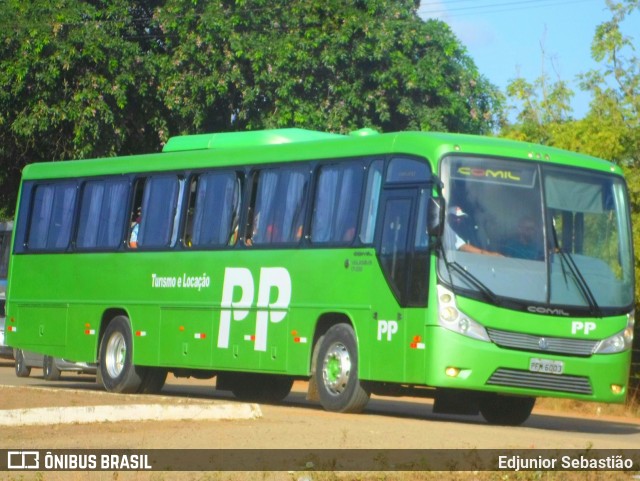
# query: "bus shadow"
{"points": [[583, 425], [409, 409], [423, 410], [378, 406]]}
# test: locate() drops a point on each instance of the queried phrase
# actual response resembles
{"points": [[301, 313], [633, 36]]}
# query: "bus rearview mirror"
{"points": [[435, 216]]}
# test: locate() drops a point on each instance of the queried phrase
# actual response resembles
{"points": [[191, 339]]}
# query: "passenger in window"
{"points": [[135, 227], [233, 238], [457, 233], [349, 234], [525, 244], [254, 230]]}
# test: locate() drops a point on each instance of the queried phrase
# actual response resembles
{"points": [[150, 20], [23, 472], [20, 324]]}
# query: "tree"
{"points": [[616, 87], [328, 65], [543, 108], [86, 78], [611, 128], [73, 83]]}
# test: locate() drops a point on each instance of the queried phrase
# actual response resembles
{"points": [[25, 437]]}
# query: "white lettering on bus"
{"points": [[195, 282], [388, 328], [585, 327], [271, 279], [185, 281], [162, 282]]}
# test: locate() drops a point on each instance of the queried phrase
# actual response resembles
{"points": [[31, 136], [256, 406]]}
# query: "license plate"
{"points": [[546, 365]]}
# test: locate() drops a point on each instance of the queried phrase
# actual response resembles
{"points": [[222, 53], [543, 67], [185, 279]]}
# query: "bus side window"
{"points": [[154, 225], [371, 201], [337, 203], [214, 202], [102, 214], [52, 216], [278, 208]]}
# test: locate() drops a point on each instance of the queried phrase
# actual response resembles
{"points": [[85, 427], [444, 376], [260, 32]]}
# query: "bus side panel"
{"points": [[145, 331], [41, 327], [83, 332], [186, 337]]}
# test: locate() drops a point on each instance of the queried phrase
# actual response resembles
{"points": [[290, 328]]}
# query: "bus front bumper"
{"points": [[458, 362]]}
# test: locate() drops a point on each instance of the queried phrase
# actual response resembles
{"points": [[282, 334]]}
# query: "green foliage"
{"points": [[327, 65], [73, 83], [616, 86], [611, 129], [85, 78], [542, 107]]}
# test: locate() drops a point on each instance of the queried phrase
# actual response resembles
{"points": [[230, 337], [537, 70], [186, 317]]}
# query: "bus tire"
{"points": [[22, 370], [506, 410], [49, 369], [268, 388], [336, 372], [153, 381], [116, 366]]}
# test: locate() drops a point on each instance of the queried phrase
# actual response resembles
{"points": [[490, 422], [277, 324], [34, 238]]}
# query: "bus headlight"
{"points": [[451, 318], [620, 341]]}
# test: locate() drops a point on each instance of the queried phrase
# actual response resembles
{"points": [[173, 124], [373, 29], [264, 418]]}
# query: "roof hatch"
{"points": [[254, 138]]}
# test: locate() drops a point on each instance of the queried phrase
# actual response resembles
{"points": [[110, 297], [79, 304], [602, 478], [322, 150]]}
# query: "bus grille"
{"points": [[528, 342], [537, 380]]}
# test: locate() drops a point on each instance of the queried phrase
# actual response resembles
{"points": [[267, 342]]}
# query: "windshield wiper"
{"points": [[583, 286], [473, 280]]}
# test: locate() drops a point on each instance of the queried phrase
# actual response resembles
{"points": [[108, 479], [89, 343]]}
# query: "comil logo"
{"points": [[488, 173], [274, 296], [547, 310], [23, 460]]}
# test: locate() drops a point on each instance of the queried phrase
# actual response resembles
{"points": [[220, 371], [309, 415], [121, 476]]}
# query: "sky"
{"points": [[510, 38]]}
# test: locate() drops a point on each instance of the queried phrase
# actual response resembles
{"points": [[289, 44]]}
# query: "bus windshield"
{"points": [[543, 237]]}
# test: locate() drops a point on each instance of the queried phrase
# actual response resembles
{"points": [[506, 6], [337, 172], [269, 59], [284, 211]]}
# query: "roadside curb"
{"points": [[128, 412]]}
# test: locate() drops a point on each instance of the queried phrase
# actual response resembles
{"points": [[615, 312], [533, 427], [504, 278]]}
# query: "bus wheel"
{"points": [[260, 387], [336, 371], [154, 379], [506, 410], [22, 370], [116, 363], [49, 369]]}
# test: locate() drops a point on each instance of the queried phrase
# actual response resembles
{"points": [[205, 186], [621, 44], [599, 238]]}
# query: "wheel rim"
{"points": [[115, 355], [336, 368]]}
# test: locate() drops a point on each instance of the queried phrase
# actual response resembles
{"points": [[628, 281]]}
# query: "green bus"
{"points": [[477, 271]]}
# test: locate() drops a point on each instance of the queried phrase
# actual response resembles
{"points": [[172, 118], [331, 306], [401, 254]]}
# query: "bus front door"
{"points": [[403, 257]]}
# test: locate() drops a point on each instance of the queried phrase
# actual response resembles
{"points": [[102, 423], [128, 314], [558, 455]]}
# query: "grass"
{"points": [[629, 409], [326, 476]]}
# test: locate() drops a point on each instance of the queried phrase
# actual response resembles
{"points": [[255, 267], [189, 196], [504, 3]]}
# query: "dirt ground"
{"points": [[298, 424], [285, 426]]}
